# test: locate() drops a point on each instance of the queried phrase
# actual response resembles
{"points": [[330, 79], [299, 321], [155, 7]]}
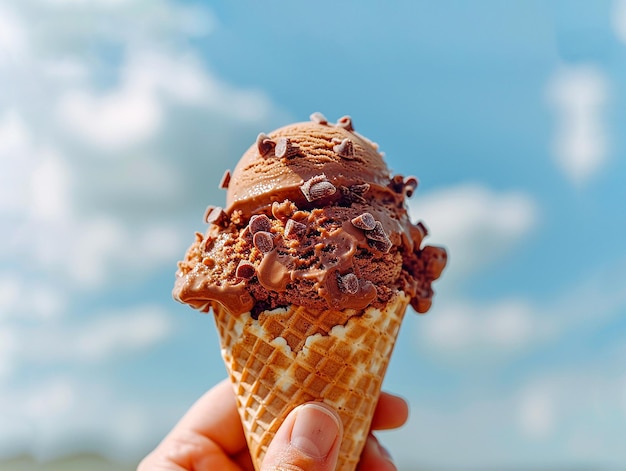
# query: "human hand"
{"points": [[210, 437]]}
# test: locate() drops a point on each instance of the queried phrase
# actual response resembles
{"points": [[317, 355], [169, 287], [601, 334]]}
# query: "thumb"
{"points": [[308, 440]]}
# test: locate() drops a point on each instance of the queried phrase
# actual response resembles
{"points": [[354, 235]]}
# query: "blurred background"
{"points": [[119, 117]]}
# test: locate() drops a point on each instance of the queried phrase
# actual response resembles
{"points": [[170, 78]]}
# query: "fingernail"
{"points": [[315, 431]]}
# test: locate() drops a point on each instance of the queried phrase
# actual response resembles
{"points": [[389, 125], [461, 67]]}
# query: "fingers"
{"points": [[375, 457], [391, 412], [308, 440], [205, 438], [187, 451], [215, 417]]}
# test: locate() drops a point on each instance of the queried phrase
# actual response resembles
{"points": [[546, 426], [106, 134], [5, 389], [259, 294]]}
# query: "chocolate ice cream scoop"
{"points": [[267, 173]]}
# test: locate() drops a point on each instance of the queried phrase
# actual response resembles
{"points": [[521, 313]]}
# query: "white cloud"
{"points": [[468, 331], [536, 413], [476, 225], [117, 119], [103, 337], [97, 252], [464, 328], [49, 188], [57, 400], [29, 299], [105, 246], [44, 228], [91, 253], [134, 111], [618, 18], [119, 334], [13, 37], [35, 182], [14, 137], [579, 94]]}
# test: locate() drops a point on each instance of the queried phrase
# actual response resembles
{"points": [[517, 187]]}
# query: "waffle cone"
{"points": [[291, 356]]}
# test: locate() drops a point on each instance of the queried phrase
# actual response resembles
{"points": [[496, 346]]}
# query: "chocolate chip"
{"points": [[263, 241], [346, 123], [318, 118], [381, 245], [245, 270], [345, 149], [218, 217], [225, 180], [317, 187], [364, 221], [360, 189], [348, 283], [285, 148], [207, 213], [264, 144], [353, 193], [410, 184], [378, 238], [321, 190], [260, 222], [294, 229], [377, 232]]}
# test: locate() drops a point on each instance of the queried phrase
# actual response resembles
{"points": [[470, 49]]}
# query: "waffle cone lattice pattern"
{"points": [[288, 357]]}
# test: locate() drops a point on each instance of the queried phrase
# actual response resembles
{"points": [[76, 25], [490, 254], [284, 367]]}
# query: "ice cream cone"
{"points": [[309, 269], [290, 356]]}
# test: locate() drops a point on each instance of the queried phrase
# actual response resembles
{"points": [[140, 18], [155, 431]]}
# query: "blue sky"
{"points": [[118, 118]]}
